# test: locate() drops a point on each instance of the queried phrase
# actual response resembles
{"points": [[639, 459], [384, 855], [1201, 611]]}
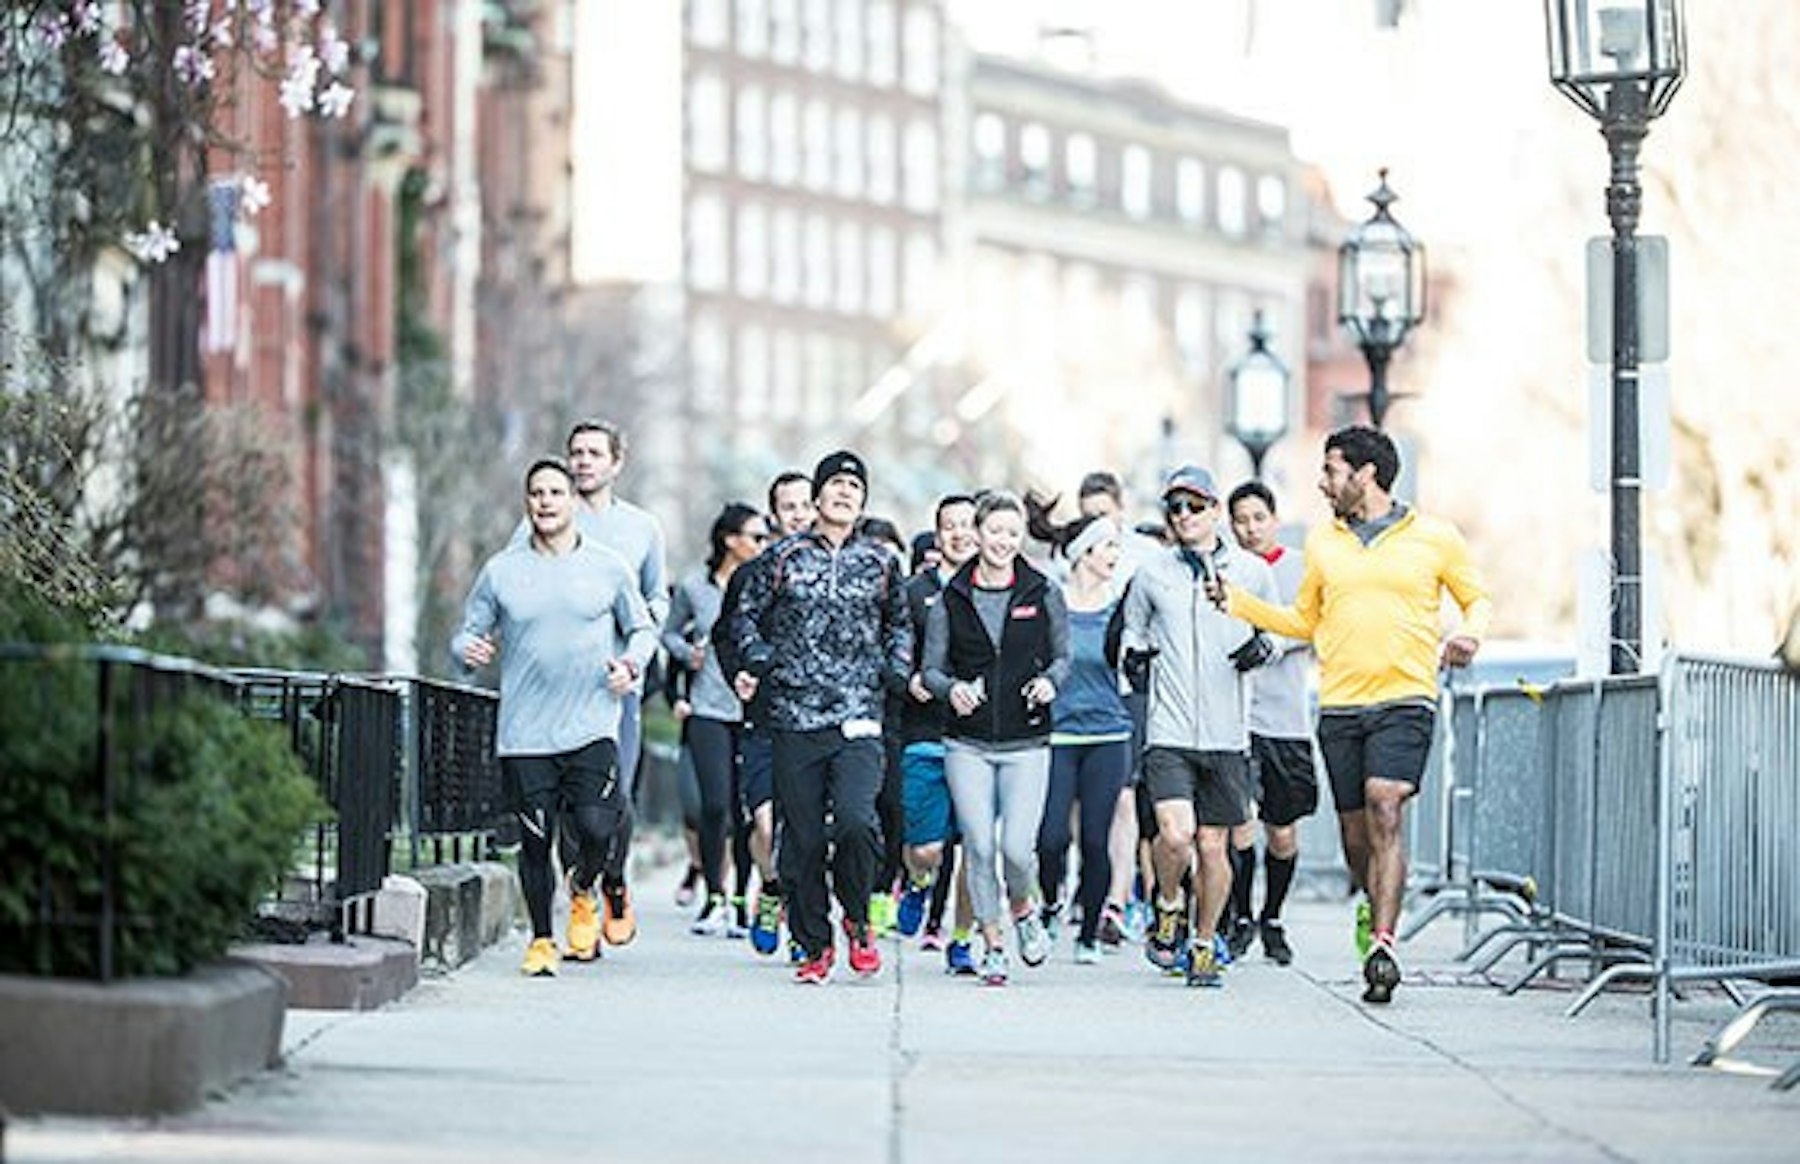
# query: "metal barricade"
{"points": [[454, 780]]}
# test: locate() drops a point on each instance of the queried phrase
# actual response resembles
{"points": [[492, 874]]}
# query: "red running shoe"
{"points": [[865, 958], [817, 970]]}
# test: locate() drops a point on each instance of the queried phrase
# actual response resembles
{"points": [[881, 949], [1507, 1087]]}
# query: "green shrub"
{"points": [[209, 807]]}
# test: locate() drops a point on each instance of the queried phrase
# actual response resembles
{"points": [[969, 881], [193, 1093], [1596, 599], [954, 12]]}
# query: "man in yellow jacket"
{"points": [[1370, 602]]}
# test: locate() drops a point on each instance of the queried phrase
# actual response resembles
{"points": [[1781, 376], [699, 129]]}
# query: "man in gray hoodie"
{"points": [[1197, 660]]}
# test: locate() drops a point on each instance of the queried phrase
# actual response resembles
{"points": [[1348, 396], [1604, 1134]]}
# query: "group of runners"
{"points": [[930, 727]]}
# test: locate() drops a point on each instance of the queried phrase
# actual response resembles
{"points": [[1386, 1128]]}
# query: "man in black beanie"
{"points": [[822, 623]]}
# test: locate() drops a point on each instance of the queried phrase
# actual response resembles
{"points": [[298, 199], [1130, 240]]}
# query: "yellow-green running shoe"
{"points": [[1365, 929]]}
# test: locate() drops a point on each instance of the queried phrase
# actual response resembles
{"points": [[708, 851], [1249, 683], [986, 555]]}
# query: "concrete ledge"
{"points": [[143, 1046], [360, 973], [467, 907]]}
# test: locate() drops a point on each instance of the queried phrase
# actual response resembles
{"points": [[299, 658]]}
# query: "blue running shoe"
{"points": [[796, 954], [1221, 948], [911, 914], [765, 926], [959, 959]]}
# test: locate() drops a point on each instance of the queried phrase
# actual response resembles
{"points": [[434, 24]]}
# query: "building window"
{"points": [[921, 39], [1134, 181], [752, 250], [708, 144], [849, 160], [752, 27], [753, 372], [784, 375], [707, 361], [852, 374], [1080, 168], [1190, 191], [1233, 211], [784, 254], [818, 261], [882, 162], [919, 291], [784, 31], [818, 372], [922, 168], [752, 133], [784, 139], [1192, 335], [816, 35], [817, 129], [706, 255], [884, 272], [884, 46], [1271, 204], [849, 267], [709, 26], [1034, 159], [1079, 327], [990, 151], [1137, 309], [849, 39]]}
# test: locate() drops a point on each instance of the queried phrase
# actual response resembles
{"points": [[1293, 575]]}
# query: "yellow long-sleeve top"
{"points": [[1372, 612]]}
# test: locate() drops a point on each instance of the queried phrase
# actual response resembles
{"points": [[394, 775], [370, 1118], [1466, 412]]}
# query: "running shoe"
{"points": [[1242, 936], [1087, 953], [583, 936], [714, 918], [1164, 944], [1382, 973], [1034, 940], [911, 913], [689, 887], [796, 953], [1052, 919], [816, 971], [765, 928], [1275, 943], [881, 914], [1112, 925], [959, 959], [1137, 920], [619, 925], [865, 958], [932, 939], [994, 968], [540, 959], [738, 923], [1203, 967], [1365, 929], [1222, 951]]}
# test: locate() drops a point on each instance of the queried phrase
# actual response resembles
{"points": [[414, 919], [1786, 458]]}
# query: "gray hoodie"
{"points": [[1198, 698]]}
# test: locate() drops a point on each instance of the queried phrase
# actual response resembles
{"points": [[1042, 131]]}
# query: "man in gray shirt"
{"points": [[564, 617]]}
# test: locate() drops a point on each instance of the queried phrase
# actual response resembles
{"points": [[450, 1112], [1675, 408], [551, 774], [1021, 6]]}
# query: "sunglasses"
{"points": [[1181, 506]]}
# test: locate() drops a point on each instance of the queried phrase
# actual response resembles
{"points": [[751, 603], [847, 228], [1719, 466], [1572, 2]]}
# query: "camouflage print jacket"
{"points": [[832, 626]]}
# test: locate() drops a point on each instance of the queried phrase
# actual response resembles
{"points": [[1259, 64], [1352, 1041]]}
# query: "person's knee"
{"points": [[926, 856], [1175, 835], [1212, 843], [1284, 841]]}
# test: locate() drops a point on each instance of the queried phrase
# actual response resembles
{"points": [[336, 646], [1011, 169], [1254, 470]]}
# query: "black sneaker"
{"points": [[1243, 933], [1382, 973], [1275, 943]]}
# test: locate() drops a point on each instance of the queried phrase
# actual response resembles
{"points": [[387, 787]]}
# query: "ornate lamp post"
{"points": [[1257, 414], [1381, 291], [1621, 61]]}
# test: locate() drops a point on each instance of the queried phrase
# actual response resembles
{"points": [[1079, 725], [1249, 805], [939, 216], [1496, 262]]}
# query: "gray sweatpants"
{"points": [[997, 792]]}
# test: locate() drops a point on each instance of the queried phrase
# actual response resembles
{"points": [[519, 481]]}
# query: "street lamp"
{"points": [[1381, 291], [1258, 408], [1621, 61]]}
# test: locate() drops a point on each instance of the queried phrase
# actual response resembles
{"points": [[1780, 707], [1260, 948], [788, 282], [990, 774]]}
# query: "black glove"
{"points": [[758, 659], [1136, 666], [1253, 652]]}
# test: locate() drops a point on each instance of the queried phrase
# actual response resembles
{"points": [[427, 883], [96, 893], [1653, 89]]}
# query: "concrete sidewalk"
{"points": [[688, 1049]]}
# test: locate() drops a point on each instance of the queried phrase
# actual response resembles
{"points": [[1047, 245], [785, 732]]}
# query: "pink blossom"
{"points": [[53, 30], [113, 57], [87, 18], [253, 195], [193, 65], [335, 100], [334, 50], [154, 244]]}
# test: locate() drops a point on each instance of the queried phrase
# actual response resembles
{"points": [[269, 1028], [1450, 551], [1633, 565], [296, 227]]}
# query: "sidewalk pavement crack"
{"points": [[1487, 1080]]}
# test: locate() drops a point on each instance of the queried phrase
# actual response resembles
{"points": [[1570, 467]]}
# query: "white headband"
{"points": [[1092, 534]]}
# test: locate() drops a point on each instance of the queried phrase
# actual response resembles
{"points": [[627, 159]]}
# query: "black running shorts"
{"points": [[1218, 783], [1374, 743], [1282, 779]]}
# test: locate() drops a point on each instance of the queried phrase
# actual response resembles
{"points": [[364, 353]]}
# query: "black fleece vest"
{"points": [[1023, 655]]}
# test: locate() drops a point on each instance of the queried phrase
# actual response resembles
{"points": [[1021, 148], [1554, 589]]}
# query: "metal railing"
{"points": [[454, 793]]}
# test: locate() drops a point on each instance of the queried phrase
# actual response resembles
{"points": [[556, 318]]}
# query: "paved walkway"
{"points": [[688, 1049]]}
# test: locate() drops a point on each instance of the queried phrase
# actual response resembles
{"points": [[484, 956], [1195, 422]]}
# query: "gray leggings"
{"points": [[1006, 788]]}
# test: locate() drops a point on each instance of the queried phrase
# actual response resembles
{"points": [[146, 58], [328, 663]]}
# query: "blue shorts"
{"points": [[925, 795]]}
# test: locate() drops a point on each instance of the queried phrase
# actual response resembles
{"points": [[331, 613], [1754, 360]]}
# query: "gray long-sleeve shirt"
{"points": [[559, 619], [1279, 708], [631, 533], [1198, 698], [694, 607]]}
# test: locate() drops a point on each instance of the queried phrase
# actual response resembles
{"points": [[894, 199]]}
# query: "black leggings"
{"points": [[1094, 774], [594, 826], [714, 745]]}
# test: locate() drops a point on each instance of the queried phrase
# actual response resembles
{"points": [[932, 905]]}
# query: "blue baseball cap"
{"points": [[1193, 479]]}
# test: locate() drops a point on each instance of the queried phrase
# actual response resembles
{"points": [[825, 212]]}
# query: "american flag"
{"points": [[221, 330]]}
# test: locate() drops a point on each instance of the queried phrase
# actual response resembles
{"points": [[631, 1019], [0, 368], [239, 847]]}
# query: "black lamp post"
{"points": [[1621, 61], [1381, 291], [1258, 408]]}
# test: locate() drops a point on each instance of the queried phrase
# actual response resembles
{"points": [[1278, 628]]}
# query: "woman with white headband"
{"points": [[1090, 750]]}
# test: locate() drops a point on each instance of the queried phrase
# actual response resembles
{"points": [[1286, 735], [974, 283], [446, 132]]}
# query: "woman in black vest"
{"points": [[997, 650]]}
